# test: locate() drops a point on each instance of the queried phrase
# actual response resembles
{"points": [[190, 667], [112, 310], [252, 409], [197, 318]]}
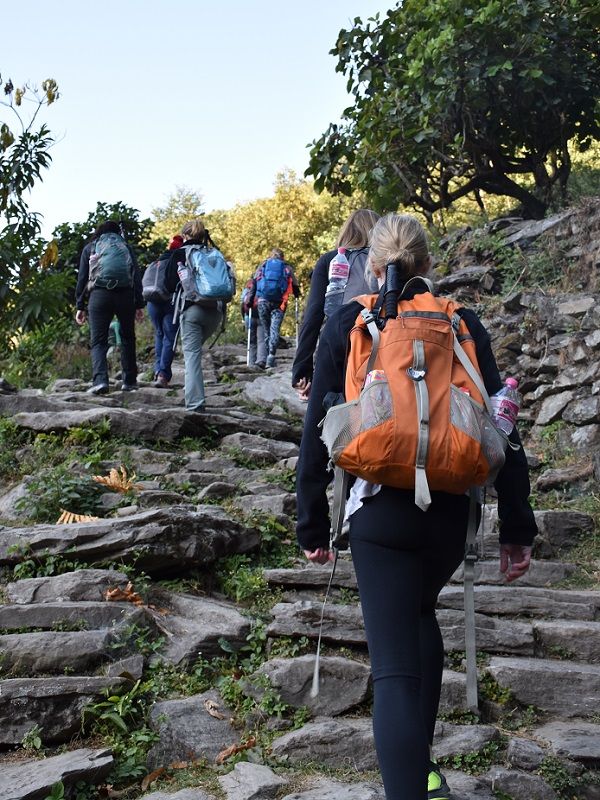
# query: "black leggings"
{"points": [[403, 557]]}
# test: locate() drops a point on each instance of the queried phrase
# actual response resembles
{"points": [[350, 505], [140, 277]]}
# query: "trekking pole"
{"points": [[296, 318], [249, 326], [177, 303]]}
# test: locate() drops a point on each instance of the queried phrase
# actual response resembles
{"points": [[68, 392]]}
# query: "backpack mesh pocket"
{"points": [[345, 422], [493, 444], [471, 418]]}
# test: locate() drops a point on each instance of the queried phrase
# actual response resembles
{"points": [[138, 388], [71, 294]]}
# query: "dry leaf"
{"points": [[108, 791], [179, 765], [68, 517], [152, 777], [213, 709], [126, 595], [233, 749], [118, 480]]}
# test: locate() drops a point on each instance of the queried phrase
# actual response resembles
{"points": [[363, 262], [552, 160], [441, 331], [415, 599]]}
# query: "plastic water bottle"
{"points": [[505, 405], [190, 290], [339, 270]]}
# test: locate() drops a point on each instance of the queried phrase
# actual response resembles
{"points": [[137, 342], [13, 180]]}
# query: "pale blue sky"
{"points": [[218, 96]]}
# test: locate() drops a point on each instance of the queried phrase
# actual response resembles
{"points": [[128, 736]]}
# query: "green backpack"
{"points": [[111, 265]]}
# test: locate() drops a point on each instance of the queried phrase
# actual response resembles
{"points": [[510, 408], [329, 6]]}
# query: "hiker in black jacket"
{"points": [[403, 556], [106, 299], [354, 236]]}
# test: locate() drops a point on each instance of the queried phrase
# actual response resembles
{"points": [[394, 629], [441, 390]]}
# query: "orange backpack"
{"points": [[415, 412]]}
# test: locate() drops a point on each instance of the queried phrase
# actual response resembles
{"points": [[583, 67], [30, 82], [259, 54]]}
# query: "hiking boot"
{"points": [[259, 364], [129, 387], [161, 382], [98, 388], [437, 788], [270, 361]]}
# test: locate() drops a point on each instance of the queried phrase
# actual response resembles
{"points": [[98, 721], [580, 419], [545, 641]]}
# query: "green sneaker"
{"points": [[437, 787]]}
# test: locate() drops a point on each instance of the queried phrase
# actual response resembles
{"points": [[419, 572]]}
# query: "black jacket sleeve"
{"points": [[312, 473], [138, 295], [517, 523], [82, 278], [171, 277], [312, 320]]}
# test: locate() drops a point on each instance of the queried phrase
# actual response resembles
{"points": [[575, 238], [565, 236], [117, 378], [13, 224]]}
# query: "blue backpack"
{"points": [[206, 275], [273, 280]]}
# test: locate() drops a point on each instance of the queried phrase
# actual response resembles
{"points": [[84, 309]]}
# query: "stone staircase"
{"points": [[63, 643]]}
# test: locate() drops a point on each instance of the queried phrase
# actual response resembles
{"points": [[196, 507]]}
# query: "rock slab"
{"points": [[33, 780]]}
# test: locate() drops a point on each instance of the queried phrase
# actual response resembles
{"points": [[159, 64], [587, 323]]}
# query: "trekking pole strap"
{"points": [[338, 506], [471, 558]]}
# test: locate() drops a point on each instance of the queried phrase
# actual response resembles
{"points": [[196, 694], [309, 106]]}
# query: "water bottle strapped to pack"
{"points": [[347, 283]]}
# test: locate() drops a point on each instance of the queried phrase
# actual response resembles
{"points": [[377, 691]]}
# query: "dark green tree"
{"points": [[71, 237], [457, 97], [29, 291]]}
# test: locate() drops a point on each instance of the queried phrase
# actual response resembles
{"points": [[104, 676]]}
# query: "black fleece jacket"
{"points": [[177, 257], [312, 319], [83, 276], [517, 523]]}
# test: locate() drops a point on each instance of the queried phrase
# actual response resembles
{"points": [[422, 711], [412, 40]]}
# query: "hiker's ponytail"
{"points": [[405, 260], [398, 239]]}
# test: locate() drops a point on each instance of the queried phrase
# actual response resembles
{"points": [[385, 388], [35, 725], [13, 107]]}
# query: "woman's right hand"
{"points": [[514, 560], [319, 556], [302, 387], [80, 317]]}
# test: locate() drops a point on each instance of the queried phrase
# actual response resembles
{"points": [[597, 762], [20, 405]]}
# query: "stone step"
{"points": [[54, 704], [155, 541], [542, 574], [558, 530], [33, 779], [81, 584], [568, 639], [517, 600], [343, 625], [67, 615], [346, 742], [51, 652], [577, 740], [568, 689], [155, 424]]}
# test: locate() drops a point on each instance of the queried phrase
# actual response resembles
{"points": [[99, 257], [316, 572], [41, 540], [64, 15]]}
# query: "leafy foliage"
{"points": [[71, 237], [296, 219], [53, 490], [456, 98], [182, 205], [56, 349], [29, 293]]}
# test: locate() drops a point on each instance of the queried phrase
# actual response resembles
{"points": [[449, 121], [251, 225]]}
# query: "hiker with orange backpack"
{"points": [[414, 371]]}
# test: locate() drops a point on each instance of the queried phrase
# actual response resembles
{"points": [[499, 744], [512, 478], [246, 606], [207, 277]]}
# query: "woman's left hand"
{"points": [[319, 556]]}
